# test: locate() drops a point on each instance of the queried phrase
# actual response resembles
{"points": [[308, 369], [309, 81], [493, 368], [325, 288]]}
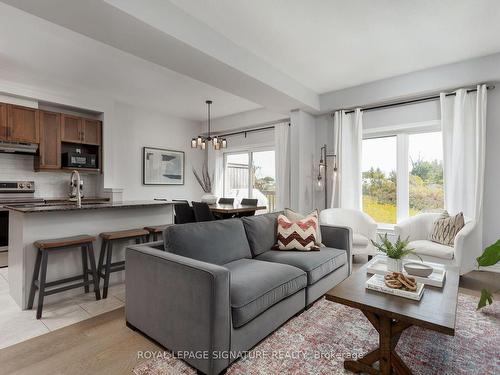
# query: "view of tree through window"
{"points": [[426, 172], [379, 179]]}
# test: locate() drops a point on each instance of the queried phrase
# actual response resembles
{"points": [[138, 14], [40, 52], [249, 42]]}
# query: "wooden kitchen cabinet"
{"points": [[3, 122], [91, 131], [71, 129], [49, 156], [22, 124]]}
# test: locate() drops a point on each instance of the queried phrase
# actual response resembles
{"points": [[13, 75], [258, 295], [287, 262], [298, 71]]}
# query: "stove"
{"points": [[13, 192]]}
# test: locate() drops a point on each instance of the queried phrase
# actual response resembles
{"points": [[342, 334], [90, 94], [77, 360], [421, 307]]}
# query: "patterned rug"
{"points": [[317, 341]]}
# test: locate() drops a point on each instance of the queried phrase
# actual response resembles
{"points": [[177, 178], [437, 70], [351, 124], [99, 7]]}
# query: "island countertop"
{"points": [[71, 206]]}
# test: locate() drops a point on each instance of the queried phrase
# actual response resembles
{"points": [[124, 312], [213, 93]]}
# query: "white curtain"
{"points": [[216, 166], [282, 165], [463, 122], [347, 182]]}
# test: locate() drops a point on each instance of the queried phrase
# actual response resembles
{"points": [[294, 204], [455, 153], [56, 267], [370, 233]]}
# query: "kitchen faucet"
{"points": [[76, 186]]}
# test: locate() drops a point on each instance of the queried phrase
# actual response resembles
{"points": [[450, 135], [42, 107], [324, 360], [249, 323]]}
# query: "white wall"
{"points": [[486, 69], [136, 128]]}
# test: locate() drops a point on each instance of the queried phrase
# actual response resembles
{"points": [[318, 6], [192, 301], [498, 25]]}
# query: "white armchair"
{"points": [[364, 228], [463, 254]]}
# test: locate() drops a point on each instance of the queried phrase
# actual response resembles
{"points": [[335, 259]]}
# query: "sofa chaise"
{"points": [[210, 291]]}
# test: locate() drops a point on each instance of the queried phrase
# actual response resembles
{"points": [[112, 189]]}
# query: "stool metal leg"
{"points": [[41, 289], [107, 270], [95, 276], [85, 267], [104, 244], [36, 272]]}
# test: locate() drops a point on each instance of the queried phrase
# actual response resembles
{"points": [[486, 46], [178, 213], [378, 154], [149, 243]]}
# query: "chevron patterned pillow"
{"points": [[299, 234]]}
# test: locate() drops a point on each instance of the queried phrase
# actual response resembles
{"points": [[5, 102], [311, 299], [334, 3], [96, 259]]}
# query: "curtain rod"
{"points": [[409, 101], [256, 128]]}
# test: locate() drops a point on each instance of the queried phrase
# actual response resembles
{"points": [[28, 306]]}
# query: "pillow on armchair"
{"points": [[446, 228]]}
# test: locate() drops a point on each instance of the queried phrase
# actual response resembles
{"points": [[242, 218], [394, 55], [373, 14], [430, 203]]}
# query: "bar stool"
{"points": [[108, 239], [155, 230], [44, 247]]}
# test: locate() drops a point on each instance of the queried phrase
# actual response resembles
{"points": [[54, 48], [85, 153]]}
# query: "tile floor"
{"points": [[17, 325]]}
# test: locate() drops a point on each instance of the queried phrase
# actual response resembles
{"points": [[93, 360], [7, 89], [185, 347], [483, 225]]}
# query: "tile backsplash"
{"points": [[48, 184]]}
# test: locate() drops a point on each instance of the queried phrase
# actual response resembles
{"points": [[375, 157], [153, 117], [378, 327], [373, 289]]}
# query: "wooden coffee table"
{"points": [[391, 315]]}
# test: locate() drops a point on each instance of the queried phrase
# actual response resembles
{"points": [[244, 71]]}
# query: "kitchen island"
{"points": [[31, 222]]}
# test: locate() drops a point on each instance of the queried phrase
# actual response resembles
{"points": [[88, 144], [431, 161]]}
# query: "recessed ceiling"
{"points": [[332, 44], [38, 52]]}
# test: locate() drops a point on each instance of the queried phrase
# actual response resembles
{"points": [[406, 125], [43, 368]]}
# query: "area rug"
{"points": [[317, 341]]}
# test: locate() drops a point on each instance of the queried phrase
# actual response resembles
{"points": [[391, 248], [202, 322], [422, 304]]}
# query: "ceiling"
{"points": [[332, 44], [34, 51], [280, 55]]}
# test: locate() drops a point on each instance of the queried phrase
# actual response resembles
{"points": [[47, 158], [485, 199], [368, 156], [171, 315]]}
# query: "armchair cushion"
{"points": [[256, 285], [316, 264], [434, 249]]}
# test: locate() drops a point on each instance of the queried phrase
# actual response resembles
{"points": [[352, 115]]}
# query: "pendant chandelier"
{"points": [[202, 142]]}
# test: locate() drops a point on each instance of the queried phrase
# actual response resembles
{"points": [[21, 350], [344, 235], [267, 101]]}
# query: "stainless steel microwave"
{"points": [[73, 159]]}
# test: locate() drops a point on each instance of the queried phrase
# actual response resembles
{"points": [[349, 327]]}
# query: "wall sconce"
{"points": [[323, 169]]}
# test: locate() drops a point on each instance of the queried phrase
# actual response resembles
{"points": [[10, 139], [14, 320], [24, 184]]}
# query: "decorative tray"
{"points": [[376, 282], [378, 266]]}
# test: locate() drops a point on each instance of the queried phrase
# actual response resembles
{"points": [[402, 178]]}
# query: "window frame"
{"points": [[402, 133]]}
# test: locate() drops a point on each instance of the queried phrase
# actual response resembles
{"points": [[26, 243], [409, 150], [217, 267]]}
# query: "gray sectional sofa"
{"points": [[212, 290]]}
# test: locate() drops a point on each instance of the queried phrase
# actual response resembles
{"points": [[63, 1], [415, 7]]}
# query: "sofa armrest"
{"points": [[182, 303], [338, 238]]}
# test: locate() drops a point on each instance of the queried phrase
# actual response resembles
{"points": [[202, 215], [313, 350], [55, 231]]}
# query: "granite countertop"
{"points": [[86, 205]]}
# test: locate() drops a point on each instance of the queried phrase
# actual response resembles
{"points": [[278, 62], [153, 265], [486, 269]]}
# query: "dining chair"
{"points": [[248, 202], [202, 211], [181, 201], [183, 213], [226, 201]]}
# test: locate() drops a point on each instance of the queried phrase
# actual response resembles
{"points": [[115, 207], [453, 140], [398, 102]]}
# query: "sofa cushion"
{"points": [[255, 286], [433, 249], [295, 216], [316, 264], [359, 240], [261, 231], [216, 242]]}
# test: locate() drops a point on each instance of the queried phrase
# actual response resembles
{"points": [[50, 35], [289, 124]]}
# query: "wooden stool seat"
{"points": [[124, 234], [155, 230], [106, 266], [64, 242], [39, 281]]}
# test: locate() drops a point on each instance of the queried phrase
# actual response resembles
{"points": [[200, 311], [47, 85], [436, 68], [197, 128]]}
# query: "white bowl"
{"points": [[418, 269]]}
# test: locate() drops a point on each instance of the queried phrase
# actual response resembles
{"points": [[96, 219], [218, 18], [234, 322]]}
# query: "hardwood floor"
{"points": [[104, 345]]}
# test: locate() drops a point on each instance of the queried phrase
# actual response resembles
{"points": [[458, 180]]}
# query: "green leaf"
{"points": [[490, 256], [486, 298]]}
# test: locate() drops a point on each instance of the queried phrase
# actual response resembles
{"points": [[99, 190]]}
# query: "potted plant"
{"points": [[489, 257], [206, 184], [395, 252]]}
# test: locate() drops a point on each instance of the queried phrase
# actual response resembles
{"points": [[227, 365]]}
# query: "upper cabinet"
{"points": [[80, 130], [22, 124], [71, 129], [50, 141], [3, 122]]}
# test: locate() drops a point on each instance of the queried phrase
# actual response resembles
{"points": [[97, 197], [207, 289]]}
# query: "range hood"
{"points": [[18, 147]]}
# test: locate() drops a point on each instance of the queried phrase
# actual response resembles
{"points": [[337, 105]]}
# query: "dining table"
{"points": [[233, 209]]}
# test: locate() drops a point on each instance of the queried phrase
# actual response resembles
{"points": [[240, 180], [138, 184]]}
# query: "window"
{"points": [[251, 174], [402, 175], [379, 179]]}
